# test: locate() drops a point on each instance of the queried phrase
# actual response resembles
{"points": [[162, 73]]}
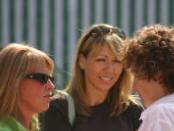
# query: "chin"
{"points": [[104, 89], [44, 108]]}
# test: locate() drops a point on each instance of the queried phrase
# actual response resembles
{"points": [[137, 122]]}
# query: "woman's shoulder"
{"points": [[10, 124], [58, 102], [61, 99], [57, 113]]}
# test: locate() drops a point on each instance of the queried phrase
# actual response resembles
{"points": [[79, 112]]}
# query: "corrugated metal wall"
{"points": [[55, 25]]}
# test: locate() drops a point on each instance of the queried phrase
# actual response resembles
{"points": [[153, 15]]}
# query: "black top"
{"points": [[56, 119]]}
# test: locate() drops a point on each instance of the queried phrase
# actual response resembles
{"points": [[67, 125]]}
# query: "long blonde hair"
{"points": [[119, 95]]}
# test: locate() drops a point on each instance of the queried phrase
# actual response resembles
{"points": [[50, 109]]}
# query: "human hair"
{"points": [[17, 60], [118, 97], [150, 53]]}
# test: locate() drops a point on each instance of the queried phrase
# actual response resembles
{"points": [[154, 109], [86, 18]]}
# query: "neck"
{"points": [[95, 97], [150, 96], [25, 118]]}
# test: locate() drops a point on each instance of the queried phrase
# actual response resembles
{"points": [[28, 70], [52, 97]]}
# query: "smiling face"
{"points": [[101, 68], [35, 95]]}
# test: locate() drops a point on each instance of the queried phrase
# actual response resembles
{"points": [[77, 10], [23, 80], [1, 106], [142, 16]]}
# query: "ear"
{"points": [[82, 61]]}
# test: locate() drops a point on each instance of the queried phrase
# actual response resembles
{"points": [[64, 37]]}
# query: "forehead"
{"points": [[38, 67], [101, 49]]}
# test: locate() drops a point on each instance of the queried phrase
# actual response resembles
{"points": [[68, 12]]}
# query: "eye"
{"points": [[116, 61]]}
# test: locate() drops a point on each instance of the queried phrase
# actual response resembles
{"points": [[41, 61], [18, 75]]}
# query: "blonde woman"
{"points": [[25, 86], [100, 87]]}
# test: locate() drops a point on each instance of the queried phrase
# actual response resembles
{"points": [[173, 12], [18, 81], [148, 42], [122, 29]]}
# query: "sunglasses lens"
{"points": [[42, 78], [121, 33], [106, 30]]}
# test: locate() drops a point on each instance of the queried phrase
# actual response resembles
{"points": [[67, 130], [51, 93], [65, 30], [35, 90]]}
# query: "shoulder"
{"points": [[58, 108], [161, 115], [162, 110], [132, 115], [56, 117], [59, 100], [10, 124], [133, 109], [59, 104]]}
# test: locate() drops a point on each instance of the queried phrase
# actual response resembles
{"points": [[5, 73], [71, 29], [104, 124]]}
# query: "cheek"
{"points": [[137, 85], [24, 90], [118, 69], [93, 68], [30, 90]]}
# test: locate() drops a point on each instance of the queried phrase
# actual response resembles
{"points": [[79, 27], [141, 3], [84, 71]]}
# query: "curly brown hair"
{"points": [[150, 53]]}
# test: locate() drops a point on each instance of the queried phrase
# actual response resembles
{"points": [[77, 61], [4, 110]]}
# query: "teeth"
{"points": [[106, 78]]}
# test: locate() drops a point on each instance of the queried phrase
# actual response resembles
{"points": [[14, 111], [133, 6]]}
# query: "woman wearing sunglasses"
{"points": [[100, 87], [25, 86]]}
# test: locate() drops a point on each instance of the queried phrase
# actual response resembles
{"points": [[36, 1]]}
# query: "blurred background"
{"points": [[55, 26]]}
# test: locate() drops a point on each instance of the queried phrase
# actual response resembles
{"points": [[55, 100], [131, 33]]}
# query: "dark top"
{"points": [[56, 119]]}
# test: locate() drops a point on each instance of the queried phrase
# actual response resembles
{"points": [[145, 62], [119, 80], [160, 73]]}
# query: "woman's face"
{"points": [[102, 69], [34, 94]]}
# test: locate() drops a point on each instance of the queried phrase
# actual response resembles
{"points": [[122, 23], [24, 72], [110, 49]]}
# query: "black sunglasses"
{"points": [[41, 77], [106, 30]]}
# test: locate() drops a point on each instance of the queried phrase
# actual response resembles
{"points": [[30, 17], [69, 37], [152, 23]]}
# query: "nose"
{"points": [[50, 85], [110, 67]]}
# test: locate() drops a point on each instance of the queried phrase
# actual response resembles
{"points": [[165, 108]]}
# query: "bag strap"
{"points": [[71, 106]]}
